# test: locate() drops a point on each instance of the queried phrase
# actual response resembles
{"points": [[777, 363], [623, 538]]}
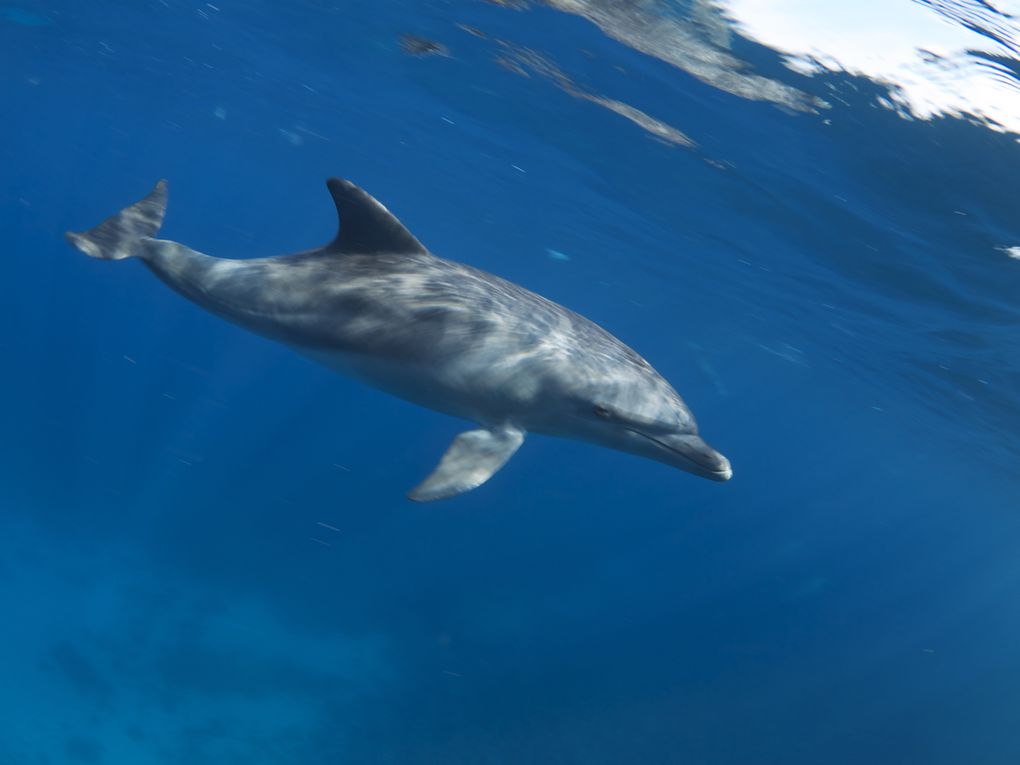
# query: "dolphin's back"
{"points": [[422, 308]]}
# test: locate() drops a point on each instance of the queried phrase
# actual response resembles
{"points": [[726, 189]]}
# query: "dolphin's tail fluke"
{"points": [[119, 236]]}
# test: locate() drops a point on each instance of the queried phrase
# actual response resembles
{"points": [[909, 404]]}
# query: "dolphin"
{"points": [[376, 305]]}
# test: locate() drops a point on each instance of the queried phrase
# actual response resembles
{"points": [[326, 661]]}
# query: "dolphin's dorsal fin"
{"points": [[366, 227]]}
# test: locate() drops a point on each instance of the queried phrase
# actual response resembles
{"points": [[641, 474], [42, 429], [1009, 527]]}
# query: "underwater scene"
{"points": [[589, 382]]}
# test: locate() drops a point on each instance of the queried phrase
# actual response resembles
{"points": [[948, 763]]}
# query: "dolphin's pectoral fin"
{"points": [[366, 226], [471, 460]]}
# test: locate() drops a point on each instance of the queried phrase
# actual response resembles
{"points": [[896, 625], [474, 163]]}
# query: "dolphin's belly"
{"points": [[468, 384]]}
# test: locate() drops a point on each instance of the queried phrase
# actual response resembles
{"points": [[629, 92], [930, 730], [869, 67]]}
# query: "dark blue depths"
{"points": [[205, 551]]}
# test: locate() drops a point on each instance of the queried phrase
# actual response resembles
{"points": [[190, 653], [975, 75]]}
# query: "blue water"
{"points": [[206, 555]]}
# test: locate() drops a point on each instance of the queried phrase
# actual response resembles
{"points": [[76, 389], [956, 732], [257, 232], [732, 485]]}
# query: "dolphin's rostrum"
{"points": [[377, 305]]}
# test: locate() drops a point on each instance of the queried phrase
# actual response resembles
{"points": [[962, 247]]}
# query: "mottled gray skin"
{"points": [[376, 305]]}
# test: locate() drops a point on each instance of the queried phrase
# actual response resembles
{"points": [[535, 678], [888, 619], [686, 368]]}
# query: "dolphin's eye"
{"points": [[603, 411]]}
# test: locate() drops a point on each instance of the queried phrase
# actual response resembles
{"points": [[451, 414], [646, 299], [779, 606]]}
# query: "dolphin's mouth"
{"points": [[698, 457]]}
